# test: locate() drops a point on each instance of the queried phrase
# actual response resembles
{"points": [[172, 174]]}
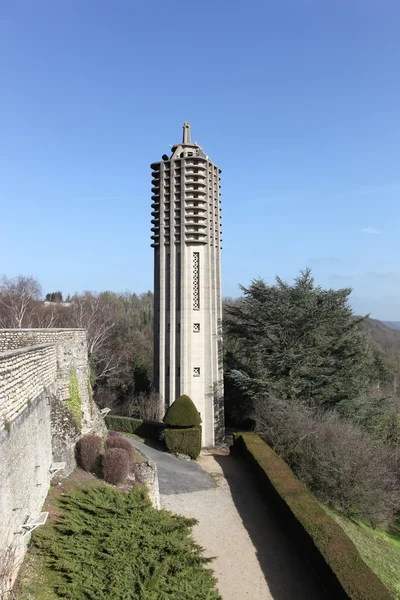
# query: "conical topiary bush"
{"points": [[182, 413], [183, 431]]}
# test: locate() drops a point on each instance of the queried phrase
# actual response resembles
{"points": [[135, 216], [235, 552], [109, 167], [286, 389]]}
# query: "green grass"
{"points": [[379, 550], [134, 436], [35, 581], [107, 544]]}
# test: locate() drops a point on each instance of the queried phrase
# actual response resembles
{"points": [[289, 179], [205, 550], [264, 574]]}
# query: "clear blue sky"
{"points": [[298, 101]]}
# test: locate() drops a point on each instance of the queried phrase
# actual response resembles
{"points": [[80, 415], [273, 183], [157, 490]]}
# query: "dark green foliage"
{"points": [[88, 451], [183, 431], [320, 538], [117, 441], [300, 342], [116, 465], [184, 441], [112, 545], [378, 414], [385, 343], [238, 405], [145, 429], [182, 413], [141, 380], [54, 297]]}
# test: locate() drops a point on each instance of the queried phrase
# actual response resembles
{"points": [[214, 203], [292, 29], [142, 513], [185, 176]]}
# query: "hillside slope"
{"points": [[392, 324], [385, 342]]}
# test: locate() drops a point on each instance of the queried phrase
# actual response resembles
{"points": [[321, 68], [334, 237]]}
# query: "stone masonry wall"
{"points": [[24, 374], [39, 371], [27, 383], [25, 460], [72, 359]]}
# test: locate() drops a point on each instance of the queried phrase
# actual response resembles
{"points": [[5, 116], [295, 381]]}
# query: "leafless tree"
{"points": [[144, 406], [47, 316], [340, 463], [18, 300], [119, 328], [95, 313]]}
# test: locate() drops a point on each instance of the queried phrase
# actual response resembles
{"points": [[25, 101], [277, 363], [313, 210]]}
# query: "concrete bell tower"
{"points": [[187, 282]]}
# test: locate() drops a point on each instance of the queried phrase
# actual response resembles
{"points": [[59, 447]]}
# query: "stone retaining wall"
{"points": [[24, 374], [68, 348], [46, 404], [25, 460], [146, 473]]}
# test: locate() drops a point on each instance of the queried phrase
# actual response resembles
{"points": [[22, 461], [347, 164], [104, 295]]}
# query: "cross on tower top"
{"points": [[186, 133]]}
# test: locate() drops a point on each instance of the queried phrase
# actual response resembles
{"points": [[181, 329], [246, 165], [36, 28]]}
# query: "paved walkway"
{"points": [[253, 558], [175, 476]]}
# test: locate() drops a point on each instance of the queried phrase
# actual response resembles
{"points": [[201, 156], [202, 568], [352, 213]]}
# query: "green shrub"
{"points": [[182, 413], [323, 541], [107, 544], [184, 441], [88, 451], [145, 429], [74, 403], [116, 465]]}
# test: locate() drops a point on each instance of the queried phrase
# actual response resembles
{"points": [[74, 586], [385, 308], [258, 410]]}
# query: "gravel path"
{"points": [[253, 558]]}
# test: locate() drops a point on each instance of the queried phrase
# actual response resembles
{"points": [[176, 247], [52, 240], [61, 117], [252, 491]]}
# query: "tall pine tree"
{"points": [[299, 342]]}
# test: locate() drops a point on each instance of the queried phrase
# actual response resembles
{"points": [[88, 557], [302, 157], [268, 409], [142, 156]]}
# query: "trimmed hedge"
{"points": [[184, 441], [145, 429], [332, 553], [182, 413]]}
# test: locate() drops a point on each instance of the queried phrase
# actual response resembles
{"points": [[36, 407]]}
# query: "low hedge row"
{"points": [[184, 440], [145, 429], [333, 555]]}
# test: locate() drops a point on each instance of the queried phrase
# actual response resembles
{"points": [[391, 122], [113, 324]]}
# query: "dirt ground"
{"points": [[253, 558]]}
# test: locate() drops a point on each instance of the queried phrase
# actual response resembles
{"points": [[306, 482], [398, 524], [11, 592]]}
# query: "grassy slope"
{"points": [[379, 550]]}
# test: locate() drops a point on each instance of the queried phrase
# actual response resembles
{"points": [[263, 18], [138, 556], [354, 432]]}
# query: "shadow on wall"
{"points": [[287, 573], [216, 394]]}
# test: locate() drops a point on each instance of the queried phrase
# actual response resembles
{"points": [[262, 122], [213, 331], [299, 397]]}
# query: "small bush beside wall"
{"points": [[116, 465], [88, 450], [117, 441], [332, 553], [184, 441]]}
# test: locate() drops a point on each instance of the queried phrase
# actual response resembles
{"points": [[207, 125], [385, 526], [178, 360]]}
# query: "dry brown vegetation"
{"points": [[339, 462]]}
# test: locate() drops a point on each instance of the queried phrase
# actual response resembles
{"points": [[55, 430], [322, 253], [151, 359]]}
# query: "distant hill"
{"points": [[392, 324], [385, 341]]}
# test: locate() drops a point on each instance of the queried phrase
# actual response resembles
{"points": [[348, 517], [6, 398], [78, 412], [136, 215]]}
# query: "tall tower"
{"points": [[187, 282]]}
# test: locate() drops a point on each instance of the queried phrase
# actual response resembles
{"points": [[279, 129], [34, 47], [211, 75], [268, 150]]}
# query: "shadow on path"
{"points": [[288, 574], [175, 476]]}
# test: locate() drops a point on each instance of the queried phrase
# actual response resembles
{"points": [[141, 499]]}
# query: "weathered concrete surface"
{"points": [[253, 557], [175, 476]]}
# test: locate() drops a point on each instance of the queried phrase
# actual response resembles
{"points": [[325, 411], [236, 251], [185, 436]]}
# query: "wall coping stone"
{"points": [[42, 329], [8, 353]]}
